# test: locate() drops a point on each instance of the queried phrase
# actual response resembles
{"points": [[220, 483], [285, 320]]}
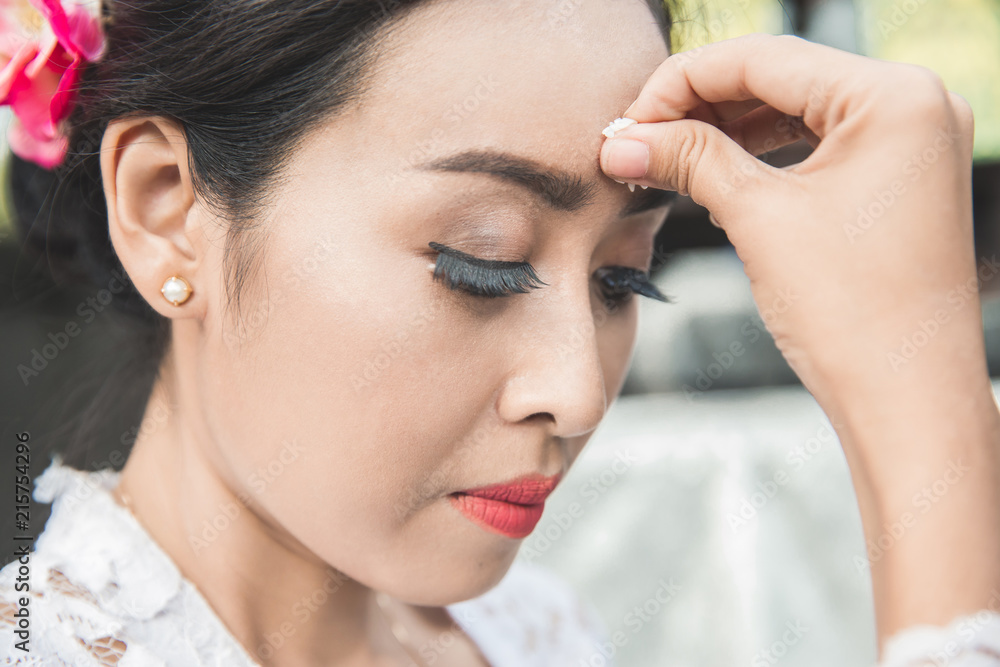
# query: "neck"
{"points": [[285, 606]]}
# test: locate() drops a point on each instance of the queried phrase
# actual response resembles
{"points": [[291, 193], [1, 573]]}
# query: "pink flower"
{"points": [[44, 45]]}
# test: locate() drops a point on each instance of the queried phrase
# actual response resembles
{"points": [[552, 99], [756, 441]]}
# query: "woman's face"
{"points": [[360, 391]]}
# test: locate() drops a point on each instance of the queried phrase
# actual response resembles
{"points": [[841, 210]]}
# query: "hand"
{"points": [[861, 262]]}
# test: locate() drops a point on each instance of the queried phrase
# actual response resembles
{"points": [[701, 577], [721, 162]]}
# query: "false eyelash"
{"points": [[623, 281], [483, 277], [495, 278]]}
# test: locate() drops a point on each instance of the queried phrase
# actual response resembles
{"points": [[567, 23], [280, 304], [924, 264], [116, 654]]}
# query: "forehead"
{"points": [[540, 78]]}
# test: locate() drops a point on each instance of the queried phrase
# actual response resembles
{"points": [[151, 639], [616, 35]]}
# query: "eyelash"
{"points": [[493, 278]]}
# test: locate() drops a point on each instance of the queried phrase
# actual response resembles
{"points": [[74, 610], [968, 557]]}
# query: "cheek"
{"points": [[616, 332], [370, 386]]}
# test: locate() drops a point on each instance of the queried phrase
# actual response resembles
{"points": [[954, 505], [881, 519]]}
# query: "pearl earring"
{"points": [[175, 290]]}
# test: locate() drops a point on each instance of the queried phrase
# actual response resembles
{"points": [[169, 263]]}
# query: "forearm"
{"points": [[925, 460], [906, 425]]}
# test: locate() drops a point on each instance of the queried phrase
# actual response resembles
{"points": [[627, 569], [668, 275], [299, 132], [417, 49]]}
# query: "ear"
{"points": [[155, 223]]}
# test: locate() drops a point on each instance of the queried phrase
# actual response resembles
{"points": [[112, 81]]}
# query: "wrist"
{"points": [[925, 462], [891, 416]]}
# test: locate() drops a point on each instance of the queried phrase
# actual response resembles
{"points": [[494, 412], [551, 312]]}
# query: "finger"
{"points": [[765, 129], [963, 114], [796, 77], [689, 156], [726, 111], [964, 125], [723, 111]]}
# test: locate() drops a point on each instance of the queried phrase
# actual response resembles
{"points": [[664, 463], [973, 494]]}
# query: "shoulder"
{"points": [[97, 590], [54, 603], [531, 618]]}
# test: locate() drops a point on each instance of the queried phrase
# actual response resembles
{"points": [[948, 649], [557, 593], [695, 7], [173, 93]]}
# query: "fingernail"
{"points": [[616, 125], [626, 158]]}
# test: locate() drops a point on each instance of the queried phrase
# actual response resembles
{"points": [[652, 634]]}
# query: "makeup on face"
{"points": [[558, 189], [511, 509], [483, 277], [493, 278], [554, 189]]}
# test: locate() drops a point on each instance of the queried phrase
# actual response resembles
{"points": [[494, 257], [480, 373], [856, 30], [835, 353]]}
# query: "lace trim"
{"points": [[532, 619], [972, 640], [103, 594]]}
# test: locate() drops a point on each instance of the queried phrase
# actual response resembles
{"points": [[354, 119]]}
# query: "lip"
{"points": [[511, 508]]}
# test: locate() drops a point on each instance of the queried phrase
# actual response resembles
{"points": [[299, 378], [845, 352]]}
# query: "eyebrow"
{"points": [[561, 190]]}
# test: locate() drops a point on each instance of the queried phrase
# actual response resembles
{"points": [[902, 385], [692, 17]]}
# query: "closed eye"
{"points": [[483, 277], [619, 283], [496, 278]]}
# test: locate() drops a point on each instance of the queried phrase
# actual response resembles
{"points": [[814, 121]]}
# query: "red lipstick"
{"points": [[511, 508]]}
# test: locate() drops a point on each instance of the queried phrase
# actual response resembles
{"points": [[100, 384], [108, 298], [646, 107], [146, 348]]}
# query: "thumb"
{"points": [[689, 156]]}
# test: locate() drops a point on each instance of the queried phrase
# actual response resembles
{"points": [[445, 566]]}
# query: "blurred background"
{"points": [[711, 519], [737, 492]]}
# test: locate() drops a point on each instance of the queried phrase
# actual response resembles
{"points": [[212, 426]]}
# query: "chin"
{"points": [[445, 579]]}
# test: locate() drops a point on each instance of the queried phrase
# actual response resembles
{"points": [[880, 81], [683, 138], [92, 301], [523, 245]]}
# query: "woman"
{"points": [[357, 238]]}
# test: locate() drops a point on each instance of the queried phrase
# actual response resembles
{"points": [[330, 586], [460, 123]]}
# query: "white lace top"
{"points": [[102, 592]]}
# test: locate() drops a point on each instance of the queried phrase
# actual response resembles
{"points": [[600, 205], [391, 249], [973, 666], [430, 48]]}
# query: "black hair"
{"points": [[246, 80]]}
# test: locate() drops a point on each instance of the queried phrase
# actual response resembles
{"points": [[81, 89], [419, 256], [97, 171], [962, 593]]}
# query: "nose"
{"points": [[556, 374]]}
